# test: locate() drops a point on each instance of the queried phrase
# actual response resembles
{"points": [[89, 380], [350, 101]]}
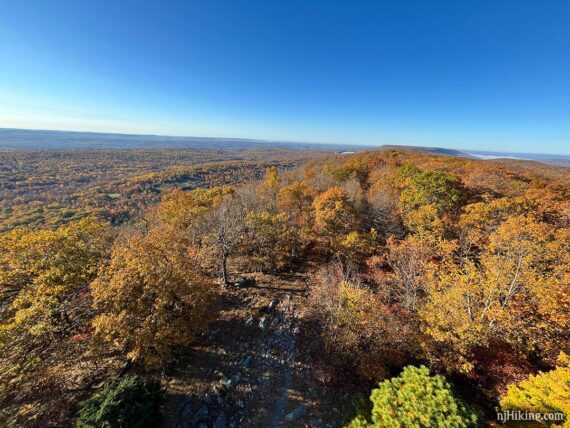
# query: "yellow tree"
{"points": [[334, 213], [268, 189], [478, 220], [516, 292], [152, 296], [187, 210], [296, 199], [44, 279]]}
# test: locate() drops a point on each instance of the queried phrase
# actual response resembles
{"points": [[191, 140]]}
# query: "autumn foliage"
{"points": [[411, 259]]}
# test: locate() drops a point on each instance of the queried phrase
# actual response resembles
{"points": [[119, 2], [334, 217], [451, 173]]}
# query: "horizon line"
{"points": [[262, 140]]}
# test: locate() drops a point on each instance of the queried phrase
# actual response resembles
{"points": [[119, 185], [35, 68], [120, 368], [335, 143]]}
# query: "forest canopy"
{"points": [[411, 259]]}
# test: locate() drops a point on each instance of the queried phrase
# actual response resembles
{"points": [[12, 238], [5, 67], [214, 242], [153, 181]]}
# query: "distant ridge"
{"points": [[434, 150], [28, 139]]}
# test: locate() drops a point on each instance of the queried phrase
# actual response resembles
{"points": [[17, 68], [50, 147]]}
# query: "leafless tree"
{"points": [[228, 224]]}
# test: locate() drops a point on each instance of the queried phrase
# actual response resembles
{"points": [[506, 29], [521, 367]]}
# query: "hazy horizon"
{"points": [[482, 154]]}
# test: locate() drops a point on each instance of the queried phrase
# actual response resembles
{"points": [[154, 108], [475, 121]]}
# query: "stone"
{"points": [[245, 282], [264, 323], [231, 382], [296, 414], [220, 421], [225, 381], [234, 380]]}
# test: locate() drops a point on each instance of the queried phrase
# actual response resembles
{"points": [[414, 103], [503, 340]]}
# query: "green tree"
{"points": [[125, 403], [416, 399], [439, 188], [542, 393]]}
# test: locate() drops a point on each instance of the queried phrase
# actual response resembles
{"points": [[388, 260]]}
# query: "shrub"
{"points": [[358, 329], [542, 393], [416, 399], [129, 402]]}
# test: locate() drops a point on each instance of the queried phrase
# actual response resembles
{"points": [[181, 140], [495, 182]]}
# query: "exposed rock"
{"points": [[296, 414], [264, 323], [230, 383], [234, 380], [225, 381], [245, 282]]}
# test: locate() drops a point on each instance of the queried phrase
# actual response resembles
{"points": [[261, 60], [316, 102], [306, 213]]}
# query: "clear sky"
{"points": [[471, 74]]}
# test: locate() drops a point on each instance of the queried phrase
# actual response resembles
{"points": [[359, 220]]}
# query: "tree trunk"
{"points": [[224, 268]]}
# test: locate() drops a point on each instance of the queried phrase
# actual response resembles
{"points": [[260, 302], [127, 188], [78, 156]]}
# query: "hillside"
{"points": [[433, 150], [280, 288]]}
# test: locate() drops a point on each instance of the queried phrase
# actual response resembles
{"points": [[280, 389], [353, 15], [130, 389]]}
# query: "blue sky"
{"points": [[489, 75]]}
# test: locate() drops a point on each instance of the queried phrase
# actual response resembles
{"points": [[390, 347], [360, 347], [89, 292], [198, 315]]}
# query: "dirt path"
{"points": [[252, 369], [278, 411]]}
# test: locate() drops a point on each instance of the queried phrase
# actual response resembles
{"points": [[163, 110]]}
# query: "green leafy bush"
{"points": [[444, 190], [416, 399], [129, 402]]}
